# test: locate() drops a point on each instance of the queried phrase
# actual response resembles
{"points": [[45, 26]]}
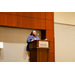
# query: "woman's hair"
{"points": [[31, 33]]}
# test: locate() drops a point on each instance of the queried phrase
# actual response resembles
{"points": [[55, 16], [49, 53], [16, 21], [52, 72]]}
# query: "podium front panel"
{"points": [[39, 51]]}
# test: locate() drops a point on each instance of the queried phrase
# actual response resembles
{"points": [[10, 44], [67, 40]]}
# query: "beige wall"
{"points": [[64, 43], [14, 41], [64, 36], [64, 17]]}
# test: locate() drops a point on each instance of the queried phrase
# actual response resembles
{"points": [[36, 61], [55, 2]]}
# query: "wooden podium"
{"points": [[39, 51]]}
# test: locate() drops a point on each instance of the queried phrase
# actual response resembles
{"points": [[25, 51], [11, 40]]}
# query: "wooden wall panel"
{"points": [[5, 20], [51, 47], [50, 16], [1, 12], [49, 25], [31, 22], [40, 24], [36, 14], [21, 21], [40, 15], [22, 13], [1, 18], [27, 22], [51, 57], [11, 13], [31, 14], [50, 35], [10, 20]]}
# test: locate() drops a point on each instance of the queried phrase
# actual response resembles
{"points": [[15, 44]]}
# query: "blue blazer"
{"points": [[31, 37]]}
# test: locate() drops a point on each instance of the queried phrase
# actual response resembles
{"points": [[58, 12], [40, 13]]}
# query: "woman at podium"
{"points": [[30, 39]]}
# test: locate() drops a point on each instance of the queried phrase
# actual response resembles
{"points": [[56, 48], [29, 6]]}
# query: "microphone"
{"points": [[39, 34]]}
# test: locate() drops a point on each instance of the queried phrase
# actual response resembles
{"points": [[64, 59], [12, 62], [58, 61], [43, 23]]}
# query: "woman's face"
{"points": [[34, 33]]}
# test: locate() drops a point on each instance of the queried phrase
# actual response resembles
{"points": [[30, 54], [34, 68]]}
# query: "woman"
{"points": [[30, 39]]}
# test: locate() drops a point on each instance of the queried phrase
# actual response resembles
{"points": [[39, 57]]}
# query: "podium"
{"points": [[39, 50]]}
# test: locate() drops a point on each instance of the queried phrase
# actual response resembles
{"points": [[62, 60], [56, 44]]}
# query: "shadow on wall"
{"points": [[25, 53], [1, 54]]}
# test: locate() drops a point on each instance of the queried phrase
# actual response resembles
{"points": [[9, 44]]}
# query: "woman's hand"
{"points": [[32, 40], [45, 39]]}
